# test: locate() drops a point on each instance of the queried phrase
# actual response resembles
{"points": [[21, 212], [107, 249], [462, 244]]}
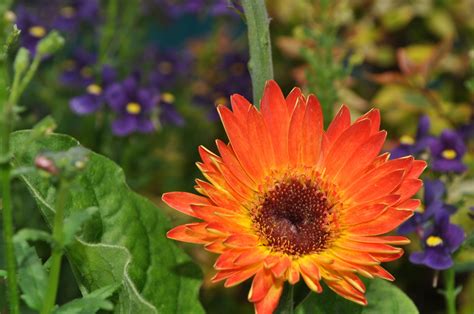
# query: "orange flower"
{"points": [[287, 200]]}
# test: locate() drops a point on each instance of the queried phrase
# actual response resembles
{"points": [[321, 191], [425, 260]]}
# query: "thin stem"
{"points": [[56, 257], [450, 290], [260, 64], [6, 125], [108, 31], [16, 92]]}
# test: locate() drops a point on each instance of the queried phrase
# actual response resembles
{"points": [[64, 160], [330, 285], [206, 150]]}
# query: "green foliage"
{"points": [[125, 243], [32, 276], [383, 297], [91, 303]]}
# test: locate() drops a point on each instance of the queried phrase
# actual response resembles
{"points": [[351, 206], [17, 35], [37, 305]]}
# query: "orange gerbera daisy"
{"points": [[287, 200]]}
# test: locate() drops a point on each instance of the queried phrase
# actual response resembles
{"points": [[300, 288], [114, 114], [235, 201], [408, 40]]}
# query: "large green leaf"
{"points": [[383, 297], [124, 242]]}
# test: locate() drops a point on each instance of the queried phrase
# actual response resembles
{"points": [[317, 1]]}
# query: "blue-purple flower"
{"points": [[414, 146], [74, 12], [134, 106], [447, 152], [439, 242], [94, 98], [33, 28], [432, 206], [167, 108], [175, 8], [78, 70], [167, 67]]}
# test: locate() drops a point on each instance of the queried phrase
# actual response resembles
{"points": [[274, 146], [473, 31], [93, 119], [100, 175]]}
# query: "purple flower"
{"points": [[168, 113], [432, 205], [33, 28], [439, 242], [167, 67], [447, 152], [133, 105], [78, 70], [414, 146], [175, 8], [94, 97], [74, 12]]}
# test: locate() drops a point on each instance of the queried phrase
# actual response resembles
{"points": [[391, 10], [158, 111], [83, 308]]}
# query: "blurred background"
{"points": [[178, 59]]}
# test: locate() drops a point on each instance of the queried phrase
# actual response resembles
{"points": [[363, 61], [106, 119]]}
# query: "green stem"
{"points": [[16, 92], [287, 301], [108, 31], [260, 64], [450, 290], [5, 171], [6, 126], [56, 257]]}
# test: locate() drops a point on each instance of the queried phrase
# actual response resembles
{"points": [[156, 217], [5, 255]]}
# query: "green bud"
{"points": [[50, 44], [22, 61]]}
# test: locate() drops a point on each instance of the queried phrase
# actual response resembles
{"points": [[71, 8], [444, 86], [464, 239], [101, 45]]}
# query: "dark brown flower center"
{"points": [[294, 218]]}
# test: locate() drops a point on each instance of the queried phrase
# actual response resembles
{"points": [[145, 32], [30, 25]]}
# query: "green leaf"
{"points": [[125, 242], [3, 273], [91, 303], [383, 297], [32, 276], [74, 222]]}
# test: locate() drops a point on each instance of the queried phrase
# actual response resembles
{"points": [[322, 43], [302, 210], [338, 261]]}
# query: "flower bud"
{"points": [[46, 164], [50, 44], [22, 60]]}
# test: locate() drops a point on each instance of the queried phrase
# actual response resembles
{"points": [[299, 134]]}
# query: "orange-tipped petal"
{"points": [[270, 302], [182, 201]]}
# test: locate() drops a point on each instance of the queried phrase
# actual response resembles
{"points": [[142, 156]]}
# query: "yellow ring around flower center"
{"points": [[434, 241], [407, 140], [134, 108], [449, 154], [37, 31], [168, 97], [86, 72], [94, 89]]}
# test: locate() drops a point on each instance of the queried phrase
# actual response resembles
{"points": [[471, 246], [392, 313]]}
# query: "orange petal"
{"points": [[374, 116], [261, 283], [240, 106], [345, 145], [231, 161], [240, 276], [281, 267], [242, 148], [379, 187], [261, 140], [295, 135], [293, 273], [182, 201], [391, 219], [395, 240], [250, 257], [363, 213], [361, 159], [341, 121], [276, 116], [270, 302], [312, 131], [241, 241], [293, 97], [181, 233]]}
